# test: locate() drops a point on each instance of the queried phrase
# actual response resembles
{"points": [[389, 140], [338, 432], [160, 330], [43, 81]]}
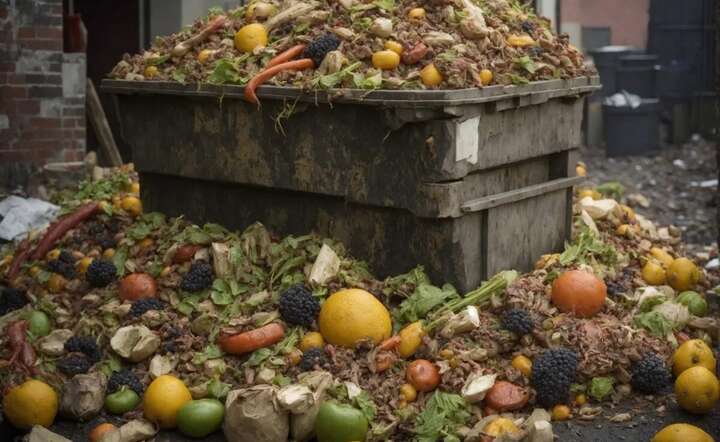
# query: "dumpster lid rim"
{"points": [[555, 88]]}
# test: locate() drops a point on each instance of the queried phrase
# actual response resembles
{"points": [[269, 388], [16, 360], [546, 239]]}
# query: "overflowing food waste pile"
{"points": [[139, 323], [380, 44]]}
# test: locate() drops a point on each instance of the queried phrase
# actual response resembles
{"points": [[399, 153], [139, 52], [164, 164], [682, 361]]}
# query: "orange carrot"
{"points": [[286, 55], [262, 77], [252, 340]]}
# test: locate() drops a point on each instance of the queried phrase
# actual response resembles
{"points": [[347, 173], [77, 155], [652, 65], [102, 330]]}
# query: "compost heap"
{"points": [[381, 44], [159, 321]]}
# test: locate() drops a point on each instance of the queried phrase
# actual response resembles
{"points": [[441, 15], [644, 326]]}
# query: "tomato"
{"points": [[201, 417], [122, 401], [340, 423]]}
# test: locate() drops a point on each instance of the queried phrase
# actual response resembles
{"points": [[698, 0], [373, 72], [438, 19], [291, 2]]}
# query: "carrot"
{"points": [[390, 343], [252, 340], [23, 251], [263, 76], [61, 227], [286, 55]]}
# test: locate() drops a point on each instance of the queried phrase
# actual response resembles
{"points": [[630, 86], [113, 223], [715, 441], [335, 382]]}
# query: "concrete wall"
{"points": [[169, 16], [42, 90], [628, 19]]}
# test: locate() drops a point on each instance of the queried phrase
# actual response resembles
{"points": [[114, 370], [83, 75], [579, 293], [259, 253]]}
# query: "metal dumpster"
{"points": [[465, 182]]}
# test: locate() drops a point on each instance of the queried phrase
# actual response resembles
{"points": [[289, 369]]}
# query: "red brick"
{"points": [[43, 134], [46, 123], [15, 79], [7, 67], [14, 91], [27, 107], [75, 111], [26, 33], [50, 32], [41, 45], [45, 92], [3, 12], [73, 123]]}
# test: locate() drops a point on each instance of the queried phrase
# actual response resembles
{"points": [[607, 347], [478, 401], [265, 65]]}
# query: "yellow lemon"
{"points": [[501, 426], [697, 390], [132, 205], [151, 72], [694, 352], [580, 170], [351, 315], [31, 403], [311, 340], [560, 413], [592, 193], [163, 398], [653, 273], [523, 364], [408, 392], [682, 433], [430, 75], [386, 59], [486, 77], [410, 339], [250, 37], [683, 274], [393, 46], [662, 256], [416, 14]]}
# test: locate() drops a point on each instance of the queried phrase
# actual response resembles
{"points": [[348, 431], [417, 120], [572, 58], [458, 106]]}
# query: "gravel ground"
{"points": [[672, 183]]}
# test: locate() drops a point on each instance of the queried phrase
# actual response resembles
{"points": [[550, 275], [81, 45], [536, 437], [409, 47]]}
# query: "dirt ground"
{"points": [[676, 184]]}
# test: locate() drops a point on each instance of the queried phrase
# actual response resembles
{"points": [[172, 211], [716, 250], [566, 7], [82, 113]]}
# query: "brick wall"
{"points": [[42, 90], [628, 19]]}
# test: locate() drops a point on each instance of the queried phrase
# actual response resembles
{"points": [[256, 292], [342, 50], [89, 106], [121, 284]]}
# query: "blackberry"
{"points": [[553, 372], [650, 375], [101, 273], [85, 345], [141, 306], [107, 242], [312, 358], [527, 26], [518, 321], [319, 48], [11, 300], [74, 364], [64, 265], [298, 306], [198, 278], [124, 378]]}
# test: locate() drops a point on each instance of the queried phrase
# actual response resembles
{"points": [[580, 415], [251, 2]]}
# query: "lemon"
{"points": [[151, 72], [132, 205], [31, 403], [163, 398], [311, 340], [56, 283], [393, 46], [653, 273], [250, 37], [629, 213], [580, 170], [410, 339], [83, 264], [594, 194], [416, 14], [351, 315], [430, 75], [682, 433], [386, 59], [694, 352], [683, 274], [486, 77], [662, 256], [501, 426], [523, 364], [560, 413], [697, 390]]}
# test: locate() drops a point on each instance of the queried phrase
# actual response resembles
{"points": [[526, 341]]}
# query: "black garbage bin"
{"points": [[606, 61], [632, 131], [637, 74]]}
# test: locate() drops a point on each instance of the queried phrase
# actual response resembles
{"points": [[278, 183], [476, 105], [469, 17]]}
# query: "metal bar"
{"points": [[512, 196]]}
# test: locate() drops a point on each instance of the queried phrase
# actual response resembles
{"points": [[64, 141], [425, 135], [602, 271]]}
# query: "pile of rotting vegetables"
{"points": [[138, 322], [380, 44]]}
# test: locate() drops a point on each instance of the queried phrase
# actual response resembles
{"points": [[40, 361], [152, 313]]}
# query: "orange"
{"points": [[31, 403], [351, 315], [164, 397], [579, 292]]}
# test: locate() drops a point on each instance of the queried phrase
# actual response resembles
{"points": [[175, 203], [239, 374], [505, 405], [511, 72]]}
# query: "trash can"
{"points": [[607, 61], [637, 74], [453, 180], [632, 131]]}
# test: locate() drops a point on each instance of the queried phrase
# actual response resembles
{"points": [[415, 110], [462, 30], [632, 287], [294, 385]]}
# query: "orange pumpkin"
{"points": [[579, 292], [137, 286]]}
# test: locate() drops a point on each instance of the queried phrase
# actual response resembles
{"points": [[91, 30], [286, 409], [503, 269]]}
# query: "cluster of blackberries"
{"points": [[11, 300], [64, 265], [650, 375], [141, 306], [199, 277], [100, 273], [319, 48], [553, 372], [518, 321], [84, 353], [314, 357], [124, 378], [298, 306]]}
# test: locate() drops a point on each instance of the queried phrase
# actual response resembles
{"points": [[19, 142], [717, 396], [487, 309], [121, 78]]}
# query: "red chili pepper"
{"points": [[58, 229], [287, 55], [262, 77]]}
